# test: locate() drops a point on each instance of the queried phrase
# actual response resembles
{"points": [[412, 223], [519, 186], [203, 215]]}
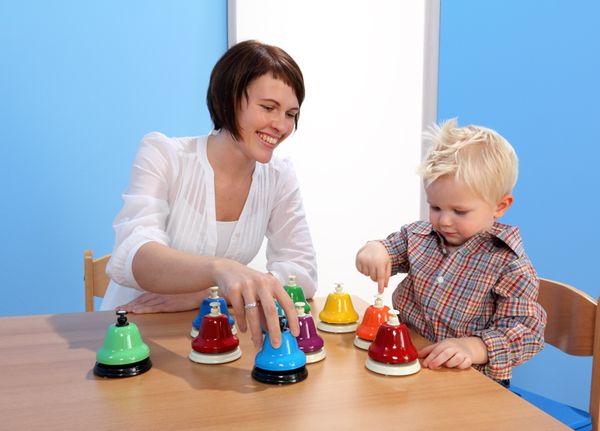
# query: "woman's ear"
{"points": [[503, 205]]}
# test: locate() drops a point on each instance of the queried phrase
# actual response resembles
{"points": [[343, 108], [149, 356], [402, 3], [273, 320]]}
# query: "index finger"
{"points": [[381, 284], [290, 311], [267, 303], [383, 277]]}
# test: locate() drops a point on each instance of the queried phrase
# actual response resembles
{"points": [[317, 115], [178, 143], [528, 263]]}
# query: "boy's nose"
{"points": [[445, 219]]}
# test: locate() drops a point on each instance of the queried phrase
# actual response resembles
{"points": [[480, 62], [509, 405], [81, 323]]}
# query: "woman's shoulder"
{"points": [[162, 142], [281, 165], [277, 174]]}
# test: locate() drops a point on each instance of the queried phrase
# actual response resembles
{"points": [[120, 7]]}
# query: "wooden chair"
{"points": [[94, 277], [574, 328]]}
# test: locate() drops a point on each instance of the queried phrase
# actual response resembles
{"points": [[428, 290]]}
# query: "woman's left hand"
{"points": [[149, 302]]}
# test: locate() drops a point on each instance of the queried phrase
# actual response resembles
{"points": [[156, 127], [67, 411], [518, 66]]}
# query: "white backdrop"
{"points": [[369, 89]]}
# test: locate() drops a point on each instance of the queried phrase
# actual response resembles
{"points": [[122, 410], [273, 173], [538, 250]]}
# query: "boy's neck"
{"points": [[451, 248]]}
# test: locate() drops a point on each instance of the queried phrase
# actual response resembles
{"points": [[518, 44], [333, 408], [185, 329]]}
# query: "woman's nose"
{"points": [[279, 122]]}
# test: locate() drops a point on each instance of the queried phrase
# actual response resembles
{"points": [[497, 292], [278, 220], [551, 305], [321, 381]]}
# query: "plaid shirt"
{"points": [[486, 288]]}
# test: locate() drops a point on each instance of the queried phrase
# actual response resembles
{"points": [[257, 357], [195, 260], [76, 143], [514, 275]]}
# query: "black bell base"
{"points": [[283, 377], [129, 370]]}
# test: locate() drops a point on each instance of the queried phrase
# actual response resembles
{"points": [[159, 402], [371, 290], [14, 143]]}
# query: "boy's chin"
{"points": [[453, 242]]}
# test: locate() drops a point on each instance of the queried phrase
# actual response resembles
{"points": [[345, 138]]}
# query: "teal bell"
{"points": [[284, 365], [123, 354]]}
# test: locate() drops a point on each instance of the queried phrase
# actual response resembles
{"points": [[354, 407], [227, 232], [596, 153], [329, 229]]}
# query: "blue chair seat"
{"points": [[574, 418]]}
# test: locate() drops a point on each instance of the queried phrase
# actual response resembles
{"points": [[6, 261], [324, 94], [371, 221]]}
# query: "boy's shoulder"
{"points": [[510, 236], [420, 227]]}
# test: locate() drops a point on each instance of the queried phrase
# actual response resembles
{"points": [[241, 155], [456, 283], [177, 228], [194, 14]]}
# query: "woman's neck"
{"points": [[226, 158]]}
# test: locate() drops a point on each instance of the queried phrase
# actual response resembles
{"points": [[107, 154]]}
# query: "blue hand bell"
{"points": [[284, 365]]}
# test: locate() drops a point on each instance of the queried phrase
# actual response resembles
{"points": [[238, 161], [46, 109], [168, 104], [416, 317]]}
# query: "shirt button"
{"points": [[440, 280]]}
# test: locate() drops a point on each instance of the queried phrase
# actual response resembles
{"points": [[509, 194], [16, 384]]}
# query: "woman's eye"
{"points": [[291, 115], [267, 108]]}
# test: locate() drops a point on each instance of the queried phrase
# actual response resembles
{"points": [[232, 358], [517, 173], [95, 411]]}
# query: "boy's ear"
{"points": [[503, 205]]}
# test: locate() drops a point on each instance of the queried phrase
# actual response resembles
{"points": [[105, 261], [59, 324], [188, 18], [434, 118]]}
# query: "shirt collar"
{"points": [[508, 235]]}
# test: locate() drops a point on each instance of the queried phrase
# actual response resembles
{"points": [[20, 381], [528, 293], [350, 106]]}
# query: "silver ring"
{"points": [[251, 305]]}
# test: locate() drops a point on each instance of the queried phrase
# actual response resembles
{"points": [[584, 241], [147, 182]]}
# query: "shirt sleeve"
{"points": [[516, 332], [396, 245], [290, 249], [143, 216]]}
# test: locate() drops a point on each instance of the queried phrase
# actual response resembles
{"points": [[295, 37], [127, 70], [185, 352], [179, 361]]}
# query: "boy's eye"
{"points": [[460, 212], [434, 208]]}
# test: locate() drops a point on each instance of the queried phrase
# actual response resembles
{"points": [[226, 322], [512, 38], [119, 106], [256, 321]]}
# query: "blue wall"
{"points": [[80, 84], [530, 70]]}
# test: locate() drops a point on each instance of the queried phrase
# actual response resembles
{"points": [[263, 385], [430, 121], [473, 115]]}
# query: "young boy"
{"points": [[470, 288]]}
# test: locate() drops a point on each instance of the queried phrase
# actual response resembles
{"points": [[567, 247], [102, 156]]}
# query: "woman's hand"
{"points": [[149, 302], [252, 295], [374, 261]]}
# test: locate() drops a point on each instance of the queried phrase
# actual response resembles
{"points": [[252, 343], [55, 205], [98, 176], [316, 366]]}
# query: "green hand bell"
{"points": [[123, 354], [296, 292]]}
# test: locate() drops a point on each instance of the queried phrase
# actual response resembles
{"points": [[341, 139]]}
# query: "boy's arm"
{"points": [[382, 259], [374, 261], [396, 245], [516, 332]]}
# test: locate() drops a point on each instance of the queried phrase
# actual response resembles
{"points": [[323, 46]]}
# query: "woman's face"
{"points": [[266, 117]]}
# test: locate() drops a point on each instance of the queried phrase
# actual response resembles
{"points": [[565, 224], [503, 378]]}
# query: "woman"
{"points": [[197, 209]]}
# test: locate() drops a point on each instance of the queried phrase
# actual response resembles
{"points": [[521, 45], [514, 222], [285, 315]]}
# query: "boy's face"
{"points": [[457, 213]]}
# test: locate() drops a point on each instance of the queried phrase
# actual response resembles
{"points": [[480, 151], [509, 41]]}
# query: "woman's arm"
{"points": [[290, 249], [142, 257], [160, 269]]}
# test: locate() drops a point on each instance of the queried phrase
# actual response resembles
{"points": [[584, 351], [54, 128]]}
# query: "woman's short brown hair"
{"points": [[236, 69]]}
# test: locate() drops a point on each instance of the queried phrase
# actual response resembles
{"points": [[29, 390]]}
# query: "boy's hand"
{"points": [[374, 261], [454, 353]]}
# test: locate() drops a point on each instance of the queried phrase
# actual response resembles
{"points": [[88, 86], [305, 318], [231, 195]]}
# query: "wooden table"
{"points": [[46, 383]]}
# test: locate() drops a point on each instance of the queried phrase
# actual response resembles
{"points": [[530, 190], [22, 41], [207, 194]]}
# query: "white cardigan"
{"points": [[171, 200]]}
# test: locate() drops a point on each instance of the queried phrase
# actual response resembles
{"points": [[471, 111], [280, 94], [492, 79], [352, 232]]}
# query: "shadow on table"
{"points": [[168, 355]]}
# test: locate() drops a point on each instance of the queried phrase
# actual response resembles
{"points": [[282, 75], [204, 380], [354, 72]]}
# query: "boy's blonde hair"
{"points": [[478, 156]]}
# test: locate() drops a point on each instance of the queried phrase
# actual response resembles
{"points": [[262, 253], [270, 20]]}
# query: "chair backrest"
{"points": [[95, 279], [574, 328]]}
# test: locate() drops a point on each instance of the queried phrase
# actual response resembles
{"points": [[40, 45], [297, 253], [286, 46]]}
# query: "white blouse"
{"points": [[171, 200], [224, 233]]}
